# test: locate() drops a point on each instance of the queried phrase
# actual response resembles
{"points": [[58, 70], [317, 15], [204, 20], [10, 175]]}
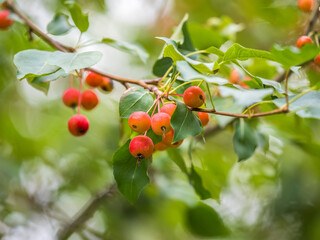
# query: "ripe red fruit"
{"points": [[78, 125], [168, 138], [234, 76], [317, 60], [168, 108], [204, 118], [5, 22], [141, 147], [94, 80], [160, 123], [107, 84], [70, 97], [194, 97], [303, 40], [306, 5], [139, 121], [160, 146], [89, 99]]}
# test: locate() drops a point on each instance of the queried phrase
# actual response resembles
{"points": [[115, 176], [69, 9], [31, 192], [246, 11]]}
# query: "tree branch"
{"points": [[85, 213]]}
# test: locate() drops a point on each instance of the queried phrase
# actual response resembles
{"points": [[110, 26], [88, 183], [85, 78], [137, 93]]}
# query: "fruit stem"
{"points": [[80, 74], [210, 96], [183, 84]]}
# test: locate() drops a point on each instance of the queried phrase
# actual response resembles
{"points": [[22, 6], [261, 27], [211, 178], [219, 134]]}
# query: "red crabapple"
{"points": [[160, 123], [168, 108], [317, 60], [194, 97], [141, 147], [168, 138], [234, 76], [89, 99], [5, 22], [70, 97], [204, 118], [139, 121], [160, 146], [78, 125], [93, 79], [306, 5], [106, 85], [303, 40]]}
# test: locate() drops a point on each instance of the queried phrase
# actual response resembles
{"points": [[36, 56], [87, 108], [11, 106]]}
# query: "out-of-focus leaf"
{"points": [[204, 221], [134, 99], [161, 66], [196, 182], [306, 106], [188, 74], [80, 19], [127, 47], [59, 25], [226, 104], [130, 178], [215, 51], [290, 56], [245, 140], [42, 86], [238, 52], [184, 123], [246, 97], [175, 156]]}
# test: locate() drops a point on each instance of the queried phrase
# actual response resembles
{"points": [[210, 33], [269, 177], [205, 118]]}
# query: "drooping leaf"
{"points": [[306, 106], [245, 97], [184, 123], [196, 181], [80, 19], [290, 56], [127, 47], [238, 52], [204, 221], [134, 99], [175, 156], [59, 25], [245, 140], [188, 74], [42, 86], [130, 178], [161, 66]]}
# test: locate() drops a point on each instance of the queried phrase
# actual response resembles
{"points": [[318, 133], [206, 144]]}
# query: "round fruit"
{"points": [[234, 76], [5, 22], [107, 84], [160, 146], [89, 99], [78, 125], [141, 147], [168, 108], [303, 40], [70, 97], [139, 121], [194, 97], [94, 80], [168, 138], [204, 118], [306, 5], [317, 60], [160, 123]]}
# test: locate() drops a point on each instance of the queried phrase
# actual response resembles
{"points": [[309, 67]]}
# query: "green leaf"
{"points": [[306, 106], [215, 51], [246, 97], [238, 52], [204, 221], [184, 123], [161, 66], [290, 56], [245, 140], [36, 63], [154, 137], [73, 61], [196, 182], [127, 47], [42, 86], [50, 77], [33, 63], [131, 178], [188, 74], [80, 19], [226, 104], [175, 156], [59, 25], [134, 99]]}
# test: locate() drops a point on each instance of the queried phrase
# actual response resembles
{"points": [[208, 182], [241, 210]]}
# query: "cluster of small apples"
{"points": [[142, 146], [78, 124], [5, 21]]}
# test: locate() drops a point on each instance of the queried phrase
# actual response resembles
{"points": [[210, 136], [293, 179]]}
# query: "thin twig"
{"points": [[85, 213]]}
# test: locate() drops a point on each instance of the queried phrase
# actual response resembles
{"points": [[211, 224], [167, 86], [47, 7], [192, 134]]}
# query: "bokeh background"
{"points": [[46, 175]]}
